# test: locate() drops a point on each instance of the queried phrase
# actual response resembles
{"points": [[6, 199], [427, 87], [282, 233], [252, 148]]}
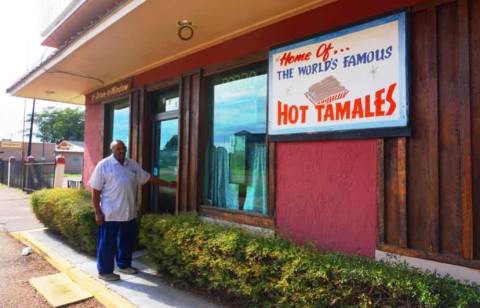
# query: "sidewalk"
{"points": [[145, 289], [15, 211]]}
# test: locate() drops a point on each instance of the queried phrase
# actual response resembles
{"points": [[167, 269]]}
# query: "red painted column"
{"points": [[93, 139], [326, 194]]}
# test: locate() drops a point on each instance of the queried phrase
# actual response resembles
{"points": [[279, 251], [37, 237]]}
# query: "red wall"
{"points": [[326, 194], [93, 139], [325, 190]]}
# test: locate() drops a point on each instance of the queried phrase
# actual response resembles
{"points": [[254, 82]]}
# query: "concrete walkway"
{"points": [[15, 211], [146, 289]]}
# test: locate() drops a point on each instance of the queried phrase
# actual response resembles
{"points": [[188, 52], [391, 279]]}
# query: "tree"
{"points": [[172, 144], [55, 124]]}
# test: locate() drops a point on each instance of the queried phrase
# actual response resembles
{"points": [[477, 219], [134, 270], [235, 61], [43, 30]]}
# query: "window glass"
{"points": [[117, 119], [165, 165], [167, 132], [165, 149], [236, 153], [121, 124]]}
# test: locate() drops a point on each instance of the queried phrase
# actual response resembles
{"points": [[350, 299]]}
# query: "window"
{"points": [[165, 149], [117, 123], [236, 162]]}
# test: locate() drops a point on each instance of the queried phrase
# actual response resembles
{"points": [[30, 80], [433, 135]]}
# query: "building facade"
{"points": [[199, 111], [17, 149], [72, 151]]}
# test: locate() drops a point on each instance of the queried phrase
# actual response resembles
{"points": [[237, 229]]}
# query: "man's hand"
{"points": [[99, 218], [156, 181], [170, 184]]}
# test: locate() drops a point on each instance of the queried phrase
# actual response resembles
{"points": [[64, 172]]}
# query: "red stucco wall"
{"points": [[325, 190], [326, 194], [93, 138]]}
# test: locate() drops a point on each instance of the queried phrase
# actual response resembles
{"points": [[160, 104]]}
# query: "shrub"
{"points": [[275, 272], [69, 213]]}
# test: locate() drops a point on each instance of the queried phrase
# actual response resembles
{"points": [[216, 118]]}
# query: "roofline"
{"points": [[68, 11], [88, 33]]}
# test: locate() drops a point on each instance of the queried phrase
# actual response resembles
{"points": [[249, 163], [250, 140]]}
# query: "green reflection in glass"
{"points": [[168, 149], [165, 164]]}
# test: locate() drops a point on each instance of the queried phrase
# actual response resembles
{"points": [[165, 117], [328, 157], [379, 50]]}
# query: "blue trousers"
{"points": [[115, 241]]}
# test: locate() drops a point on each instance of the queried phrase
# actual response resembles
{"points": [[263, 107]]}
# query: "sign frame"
{"points": [[111, 92], [402, 17]]}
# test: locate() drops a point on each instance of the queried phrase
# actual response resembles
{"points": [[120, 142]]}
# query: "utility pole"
{"points": [[23, 129], [32, 118]]}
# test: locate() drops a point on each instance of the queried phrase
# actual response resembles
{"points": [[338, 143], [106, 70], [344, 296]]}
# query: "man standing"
{"points": [[114, 182]]}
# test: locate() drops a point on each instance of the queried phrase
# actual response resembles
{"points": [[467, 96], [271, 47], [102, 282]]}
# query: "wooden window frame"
{"points": [[241, 217]]}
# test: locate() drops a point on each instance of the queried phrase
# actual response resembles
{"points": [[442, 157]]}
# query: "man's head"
{"points": [[119, 150]]}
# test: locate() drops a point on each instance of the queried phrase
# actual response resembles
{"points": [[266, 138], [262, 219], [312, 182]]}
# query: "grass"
{"points": [[73, 175]]}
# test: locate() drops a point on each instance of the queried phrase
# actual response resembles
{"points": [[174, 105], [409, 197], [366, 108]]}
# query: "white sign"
{"points": [[10, 144], [351, 79], [171, 104]]}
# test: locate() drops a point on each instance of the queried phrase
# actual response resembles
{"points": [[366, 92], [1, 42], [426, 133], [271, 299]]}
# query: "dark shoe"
{"points": [[109, 277], [128, 270]]}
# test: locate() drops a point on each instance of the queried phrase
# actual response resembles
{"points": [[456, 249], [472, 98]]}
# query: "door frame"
{"points": [[158, 117]]}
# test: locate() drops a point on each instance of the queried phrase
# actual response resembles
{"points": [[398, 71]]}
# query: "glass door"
{"points": [[165, 164], [165, 151]]}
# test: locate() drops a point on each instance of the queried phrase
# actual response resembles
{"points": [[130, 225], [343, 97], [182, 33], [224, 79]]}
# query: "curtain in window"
{"points": [[256, 199], [226, 195], [222, 193]]}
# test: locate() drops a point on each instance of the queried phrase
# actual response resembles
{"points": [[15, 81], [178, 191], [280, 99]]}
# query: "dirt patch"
{"points": [[16, 270]]}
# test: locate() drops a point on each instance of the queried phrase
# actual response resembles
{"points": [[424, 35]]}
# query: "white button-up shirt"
{"points": [[118, 185]]}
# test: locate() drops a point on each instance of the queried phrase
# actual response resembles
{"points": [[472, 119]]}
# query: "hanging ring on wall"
{"points": [[185, 30]]}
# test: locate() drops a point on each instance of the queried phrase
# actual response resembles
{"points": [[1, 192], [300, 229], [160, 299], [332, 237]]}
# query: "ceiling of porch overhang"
{"points": [[142, 35]]}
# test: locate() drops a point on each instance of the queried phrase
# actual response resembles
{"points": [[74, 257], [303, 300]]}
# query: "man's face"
{"points": [[118, 151]]}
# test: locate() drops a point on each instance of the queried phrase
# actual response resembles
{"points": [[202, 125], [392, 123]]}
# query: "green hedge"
{"points": [[274, 272], [69, 213]]}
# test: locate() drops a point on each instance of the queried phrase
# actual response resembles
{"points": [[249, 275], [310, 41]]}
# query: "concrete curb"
{"points": [[99, 290]]}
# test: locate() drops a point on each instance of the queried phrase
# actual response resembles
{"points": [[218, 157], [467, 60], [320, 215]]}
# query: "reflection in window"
{"points": [[121, 123], [117, 120], [236, 154], [168, 150], [165, 165]]}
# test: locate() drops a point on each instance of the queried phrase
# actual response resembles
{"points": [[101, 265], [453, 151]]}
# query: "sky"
{"points": [[21, 23], [239, 105]]}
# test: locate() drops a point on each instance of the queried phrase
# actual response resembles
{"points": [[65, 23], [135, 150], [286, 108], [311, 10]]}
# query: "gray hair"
{"points": [[115, 142]]}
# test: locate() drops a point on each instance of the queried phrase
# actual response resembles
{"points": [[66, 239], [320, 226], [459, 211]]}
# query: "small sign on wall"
{"points": [[107, 93], [351, 80], [172, 104], [10, 144]]}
